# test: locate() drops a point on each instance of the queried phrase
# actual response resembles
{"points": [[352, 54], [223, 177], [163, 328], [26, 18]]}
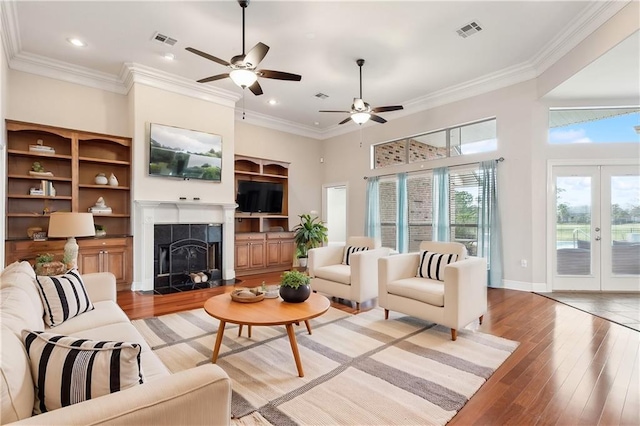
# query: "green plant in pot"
{"points": [[309, 233], [294, 287]]}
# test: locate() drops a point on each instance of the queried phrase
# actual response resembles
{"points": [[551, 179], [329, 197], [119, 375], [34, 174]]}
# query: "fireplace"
{"points": [[186, 257]]}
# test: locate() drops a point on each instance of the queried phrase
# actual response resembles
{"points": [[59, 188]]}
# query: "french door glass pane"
{"points": [[573, 225], [625, 225], [463, 207]]}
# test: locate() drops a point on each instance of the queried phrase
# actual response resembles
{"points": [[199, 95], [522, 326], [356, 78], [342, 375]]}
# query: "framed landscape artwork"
{"points": [[185, 154]]}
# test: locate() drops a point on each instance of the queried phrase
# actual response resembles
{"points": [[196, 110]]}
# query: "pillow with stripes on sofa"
{"points": [[348, 251], [432, 264], [63, 297]]}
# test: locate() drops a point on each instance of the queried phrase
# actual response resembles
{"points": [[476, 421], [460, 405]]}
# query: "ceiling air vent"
{"points": [[321, 95], [469, 29], [164, 39]]}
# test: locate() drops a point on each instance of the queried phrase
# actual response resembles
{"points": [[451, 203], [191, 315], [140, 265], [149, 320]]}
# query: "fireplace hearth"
{"points": [[187, 257]]}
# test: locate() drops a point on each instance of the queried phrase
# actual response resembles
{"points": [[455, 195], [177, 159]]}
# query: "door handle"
{"points": [[597, 229], [598, 238]]}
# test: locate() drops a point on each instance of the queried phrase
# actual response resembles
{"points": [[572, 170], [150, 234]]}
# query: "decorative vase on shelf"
{"points": [[113, 180], [101, 179]]}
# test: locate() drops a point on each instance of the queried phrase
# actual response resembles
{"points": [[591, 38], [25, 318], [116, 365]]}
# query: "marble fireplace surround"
{"points": [[149, 213]]}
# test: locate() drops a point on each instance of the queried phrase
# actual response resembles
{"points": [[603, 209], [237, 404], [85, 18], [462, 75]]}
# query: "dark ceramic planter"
{"points": [[297, 295]]}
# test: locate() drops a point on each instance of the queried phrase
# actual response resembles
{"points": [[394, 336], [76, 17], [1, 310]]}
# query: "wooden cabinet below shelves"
{"points": [[260, 252], [95, 255]]}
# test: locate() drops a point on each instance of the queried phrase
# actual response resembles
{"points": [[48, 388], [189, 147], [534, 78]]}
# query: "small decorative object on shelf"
{"points": [[38, 170], [100, 207], [294, 287], [40, 148], [39, 236], [32, 230], [113, 180], [101, 230], [101, 179]]}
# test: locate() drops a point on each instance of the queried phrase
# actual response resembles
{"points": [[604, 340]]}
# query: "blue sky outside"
{"points": [[609, 130]]}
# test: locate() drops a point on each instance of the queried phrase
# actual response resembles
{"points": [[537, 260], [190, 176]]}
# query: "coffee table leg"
{"points": [[308, 326], [216, 347], [240, 330], [294, 349]]}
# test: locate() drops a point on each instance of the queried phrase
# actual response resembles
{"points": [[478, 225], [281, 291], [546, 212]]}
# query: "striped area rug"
{"points": [[359, 369]]}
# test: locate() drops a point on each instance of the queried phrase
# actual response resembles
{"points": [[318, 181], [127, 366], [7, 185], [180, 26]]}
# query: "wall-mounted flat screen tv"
{"points": [[185, 154], [259, 197]]}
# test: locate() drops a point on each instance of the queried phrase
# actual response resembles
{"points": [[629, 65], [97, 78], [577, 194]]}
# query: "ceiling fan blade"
{"points": [[213, 78], [387, 108], [279, 75], [378, 119], [207, 56], [256, 55], [256, 89], [344, 112], [346, 120]]}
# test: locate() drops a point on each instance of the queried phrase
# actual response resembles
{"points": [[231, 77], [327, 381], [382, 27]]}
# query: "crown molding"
{"points": [[9, 29], [263, 120], [584, 25], [140, 74], [47, 67]]}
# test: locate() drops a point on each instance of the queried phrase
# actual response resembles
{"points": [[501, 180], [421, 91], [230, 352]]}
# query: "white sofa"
{"points": [[200, 395], [455, 302], [357, 281]]}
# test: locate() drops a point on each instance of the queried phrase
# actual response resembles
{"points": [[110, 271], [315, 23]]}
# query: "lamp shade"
{"points": [[243, 78], [65, 224]]}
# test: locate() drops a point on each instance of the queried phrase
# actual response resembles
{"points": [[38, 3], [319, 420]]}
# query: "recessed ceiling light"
{"points": [[169, 56], [273, 102], [77, 42]]}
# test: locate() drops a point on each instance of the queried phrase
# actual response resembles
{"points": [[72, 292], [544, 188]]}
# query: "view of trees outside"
{"points": [[388, 211]]}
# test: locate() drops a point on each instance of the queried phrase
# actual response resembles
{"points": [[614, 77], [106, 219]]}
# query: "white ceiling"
{"points": [[411, 48]]}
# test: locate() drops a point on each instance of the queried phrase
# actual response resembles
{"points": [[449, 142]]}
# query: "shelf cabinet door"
{"points": [[287, 250], [89, 261], [242, 256], [273, 253], [115, 261], [256, 255]]}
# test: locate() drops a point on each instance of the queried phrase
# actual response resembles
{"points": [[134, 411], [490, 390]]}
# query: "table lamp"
{"points": [[70, 225]]}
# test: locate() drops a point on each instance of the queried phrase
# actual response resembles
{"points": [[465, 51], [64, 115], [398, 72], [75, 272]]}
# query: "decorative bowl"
{"points": [[246, 296]]}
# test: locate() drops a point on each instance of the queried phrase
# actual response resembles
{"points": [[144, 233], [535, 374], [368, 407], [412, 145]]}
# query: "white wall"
{"points": [[305, 172], [43, 100], [522, 126], [151, 105]]}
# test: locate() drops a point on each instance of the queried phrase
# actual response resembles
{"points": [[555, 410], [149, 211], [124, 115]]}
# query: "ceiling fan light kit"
{"points": [[361, 112], [243, 67]]}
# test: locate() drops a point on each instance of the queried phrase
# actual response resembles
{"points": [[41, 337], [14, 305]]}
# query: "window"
{"points": [[604, 125], [419, 199], [388, 211], [460, 140], [463, 207]]}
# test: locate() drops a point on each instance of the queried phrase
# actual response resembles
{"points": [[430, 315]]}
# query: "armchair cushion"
{"points": [[432, 264], [420, 289], [348, 251], [63, 297], [337, 273], [68, 370]]}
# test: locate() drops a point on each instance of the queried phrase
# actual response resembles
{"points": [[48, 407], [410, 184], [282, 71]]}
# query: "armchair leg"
{"points": [[481, 318], [386, 314], [454, 334]]}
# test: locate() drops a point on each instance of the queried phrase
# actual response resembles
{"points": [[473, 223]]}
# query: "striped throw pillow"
{"points": [[432, 264], [348, 251], [67, 370], [63, 297]]}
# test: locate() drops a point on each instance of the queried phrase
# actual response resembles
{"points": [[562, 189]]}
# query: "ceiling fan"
{"points": [[361, 111], [243, 67]]}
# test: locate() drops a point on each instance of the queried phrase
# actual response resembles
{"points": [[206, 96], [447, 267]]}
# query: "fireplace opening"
{"points": [[187, 257]]}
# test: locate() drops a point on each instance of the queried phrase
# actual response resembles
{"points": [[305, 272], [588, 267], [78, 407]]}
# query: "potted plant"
{"points": [[294, 287], [101, 230], [309, 233]]}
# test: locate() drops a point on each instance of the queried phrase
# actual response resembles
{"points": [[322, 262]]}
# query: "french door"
{"points": [[596, 233]]}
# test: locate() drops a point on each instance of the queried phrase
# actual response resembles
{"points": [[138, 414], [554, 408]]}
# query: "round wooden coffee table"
{"points": [[265, 312]]}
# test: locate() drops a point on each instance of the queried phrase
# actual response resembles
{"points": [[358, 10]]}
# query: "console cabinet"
{"points": [[263, 242], [71, 159]]}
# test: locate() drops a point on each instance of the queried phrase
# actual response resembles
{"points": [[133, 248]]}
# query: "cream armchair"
{"points": [[357, 281], [454, 302]]}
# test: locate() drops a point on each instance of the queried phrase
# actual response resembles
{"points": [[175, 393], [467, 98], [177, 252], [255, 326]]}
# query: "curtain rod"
{"points": [[497, 160]]}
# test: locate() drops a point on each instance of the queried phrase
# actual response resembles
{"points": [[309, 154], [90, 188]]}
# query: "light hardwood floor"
{"points": [[571, 367]]}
